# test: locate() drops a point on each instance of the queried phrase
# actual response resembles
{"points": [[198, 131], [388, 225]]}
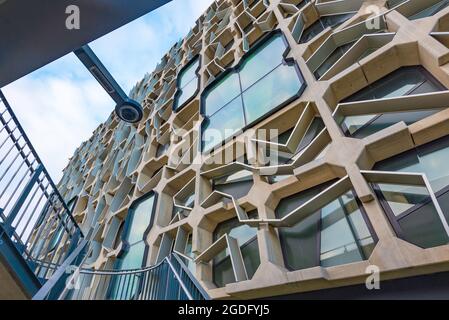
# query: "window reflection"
{"points": [[187, 84], [263, 82], [402, 82], [247, 240], [431, 10], [236, 185], [336, 234], [324, 22], [410, 208], [133, 257]]}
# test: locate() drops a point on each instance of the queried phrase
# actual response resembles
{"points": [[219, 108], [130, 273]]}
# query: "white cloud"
{"points": [[134, 49], [61, 104], [58, 113]]}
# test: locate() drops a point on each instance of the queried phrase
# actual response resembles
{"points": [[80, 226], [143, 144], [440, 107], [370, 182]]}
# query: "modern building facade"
{"points": [[289, 148]]}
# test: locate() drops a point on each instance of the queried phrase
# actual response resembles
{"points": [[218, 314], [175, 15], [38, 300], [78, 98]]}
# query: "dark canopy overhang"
{"points": [[33, 33]]}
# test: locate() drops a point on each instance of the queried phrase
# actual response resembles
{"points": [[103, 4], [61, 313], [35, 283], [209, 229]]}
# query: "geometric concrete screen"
{"points": [[286, 146]]}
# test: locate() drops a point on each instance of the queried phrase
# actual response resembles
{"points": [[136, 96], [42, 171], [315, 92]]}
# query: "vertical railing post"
{"points": [[21, 200]]}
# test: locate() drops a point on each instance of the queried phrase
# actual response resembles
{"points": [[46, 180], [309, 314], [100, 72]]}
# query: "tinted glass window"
{"points": [[247, 241], [430, 11], [187, 84], [336, 234], [322, 23], [263, 82], [410, 208], [402, 82]]}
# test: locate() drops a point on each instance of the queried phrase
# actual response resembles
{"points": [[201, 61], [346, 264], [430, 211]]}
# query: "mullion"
{"points": [[190, 81], [243, 91]]}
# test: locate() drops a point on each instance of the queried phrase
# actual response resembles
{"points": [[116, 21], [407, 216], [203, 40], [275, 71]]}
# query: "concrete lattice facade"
{"points": [[121, 162]]}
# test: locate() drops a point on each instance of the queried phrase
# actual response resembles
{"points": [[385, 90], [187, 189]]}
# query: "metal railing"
{"points": [[33, 215], [168, 280]]}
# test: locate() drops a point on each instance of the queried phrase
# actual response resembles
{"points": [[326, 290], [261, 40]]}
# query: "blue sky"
{"points": [[61, 104]]}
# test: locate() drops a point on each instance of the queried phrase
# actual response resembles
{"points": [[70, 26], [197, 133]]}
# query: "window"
{"points": [[337, 234], [332, 59], [187, 84], [161, 150], [410, 208], [137, 223], [247, 240], [393, 3], [402, 82], [430, 11], [236, 185], [186, 201], [263, 82], [324, 22], [316, 126], [189, 253]]}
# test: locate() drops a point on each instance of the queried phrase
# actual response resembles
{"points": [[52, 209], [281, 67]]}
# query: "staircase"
{"points": [[169, 280], [42, 248]]}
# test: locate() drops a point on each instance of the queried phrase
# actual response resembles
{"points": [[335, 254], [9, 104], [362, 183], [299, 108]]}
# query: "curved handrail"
{"points": [[169, 279]]}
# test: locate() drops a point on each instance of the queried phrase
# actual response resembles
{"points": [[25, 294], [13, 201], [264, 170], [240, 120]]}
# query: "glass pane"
{"points": [[133, 259], [398, 83], [188, 74], [300, 243], [430, 160], [337, 19], [57, 237], [359, 127], [141, 217], [430, 11], [443, 200], [289, 204], [331, 60], [223, 273], [262, 61], [424, 228], [270, 92], [313, 131], [436, 167], [241, 232], [251, 258], [312, 31], [324, 22], [243, 175], [188, 252], [188, 201], [222, 93], [338, 245], [236, 189], [187, 92], [401, 198], [223, 124], [358, 224]]}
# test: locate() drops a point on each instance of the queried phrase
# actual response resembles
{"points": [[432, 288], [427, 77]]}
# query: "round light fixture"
{"points": [[129, 111]]}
